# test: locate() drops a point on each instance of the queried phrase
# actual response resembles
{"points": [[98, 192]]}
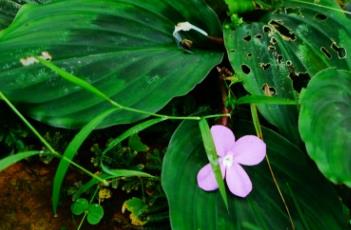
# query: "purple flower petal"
{"points": [[249, 150], [238, 181], [206, 178], [223, 138]]}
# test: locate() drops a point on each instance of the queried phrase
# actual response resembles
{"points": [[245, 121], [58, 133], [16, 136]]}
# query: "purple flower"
{"points": [[247, 150]]}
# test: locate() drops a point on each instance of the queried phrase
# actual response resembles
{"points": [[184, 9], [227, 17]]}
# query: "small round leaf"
{"points": [[95, 214], [79, 206]]}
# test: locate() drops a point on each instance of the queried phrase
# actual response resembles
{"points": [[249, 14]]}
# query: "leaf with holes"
{"points": [[278, 54], [124, 48], [300, 181], [325, 123]]}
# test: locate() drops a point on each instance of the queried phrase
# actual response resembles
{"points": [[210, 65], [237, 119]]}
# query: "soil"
{"points": [[25, 202]]}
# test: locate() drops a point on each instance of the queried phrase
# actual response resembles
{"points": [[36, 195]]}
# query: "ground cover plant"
{"points": [[186, 114]]}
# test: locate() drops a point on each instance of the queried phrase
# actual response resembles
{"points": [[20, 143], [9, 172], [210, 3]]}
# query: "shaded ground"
{"points": [[25, 196]]}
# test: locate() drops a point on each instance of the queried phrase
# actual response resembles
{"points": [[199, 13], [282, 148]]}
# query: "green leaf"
{"points": [[135, 143], [136, 62], [110, 174], [80, 206], [95, 214], [12, 159], [325, 123], [212, 156], [267, 100], [287, 46], [130, 132], [137, 208], [312, 201], [135, 205], [71, 151], [9, 8], [236, 7]]}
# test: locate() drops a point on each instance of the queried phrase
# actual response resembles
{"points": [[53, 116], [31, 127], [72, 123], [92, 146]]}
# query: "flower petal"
{"points": [[206, 178], [249, 150], [238, 181], [223, 138]]}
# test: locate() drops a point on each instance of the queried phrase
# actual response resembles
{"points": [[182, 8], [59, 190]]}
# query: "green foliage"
{"points": [[125, 60], [110, 62], [70, 152], [325, 123], [193, 208], [95, 213], [137, 209], [79, 206], [136, 144], [10, 160], [9, 8], [278, 54]]}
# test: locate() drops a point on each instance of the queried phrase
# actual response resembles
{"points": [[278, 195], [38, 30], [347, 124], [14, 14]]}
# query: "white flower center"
{"points": [[228, 160]]}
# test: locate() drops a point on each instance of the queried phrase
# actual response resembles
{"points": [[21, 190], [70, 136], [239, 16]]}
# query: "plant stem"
{"points": [[45, 143], [259, 133]]}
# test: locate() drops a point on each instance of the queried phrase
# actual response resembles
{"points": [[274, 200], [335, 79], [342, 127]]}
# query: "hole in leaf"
{"points": [[265, 66], [295, 11], [341, 52], [273, 41], [266, 29], [271, 48], [285, 33], [300, 80], [258, 36], [246, 69], [326, 52], [268, 90], [247, 38], [321, 17], [288, 63], [249, 55], [279, 58]]}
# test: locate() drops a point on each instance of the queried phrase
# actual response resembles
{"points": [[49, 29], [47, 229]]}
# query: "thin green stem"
{"points": [[259, 133], [45, 143], [322, 6], [82, 221], [86, 212]]}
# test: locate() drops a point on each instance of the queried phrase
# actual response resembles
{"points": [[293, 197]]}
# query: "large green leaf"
{"points": [[280, 52], [325, 123], [312, 201], [125, 48]]}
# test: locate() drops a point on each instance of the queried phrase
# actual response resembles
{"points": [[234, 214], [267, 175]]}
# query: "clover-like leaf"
{"points": [[95, 214], [80, 206]]}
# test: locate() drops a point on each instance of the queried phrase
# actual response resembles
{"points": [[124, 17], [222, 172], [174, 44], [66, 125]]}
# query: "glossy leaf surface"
{"points": [[124, 48], [193, 208], [325, 123], [277, 55]]}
